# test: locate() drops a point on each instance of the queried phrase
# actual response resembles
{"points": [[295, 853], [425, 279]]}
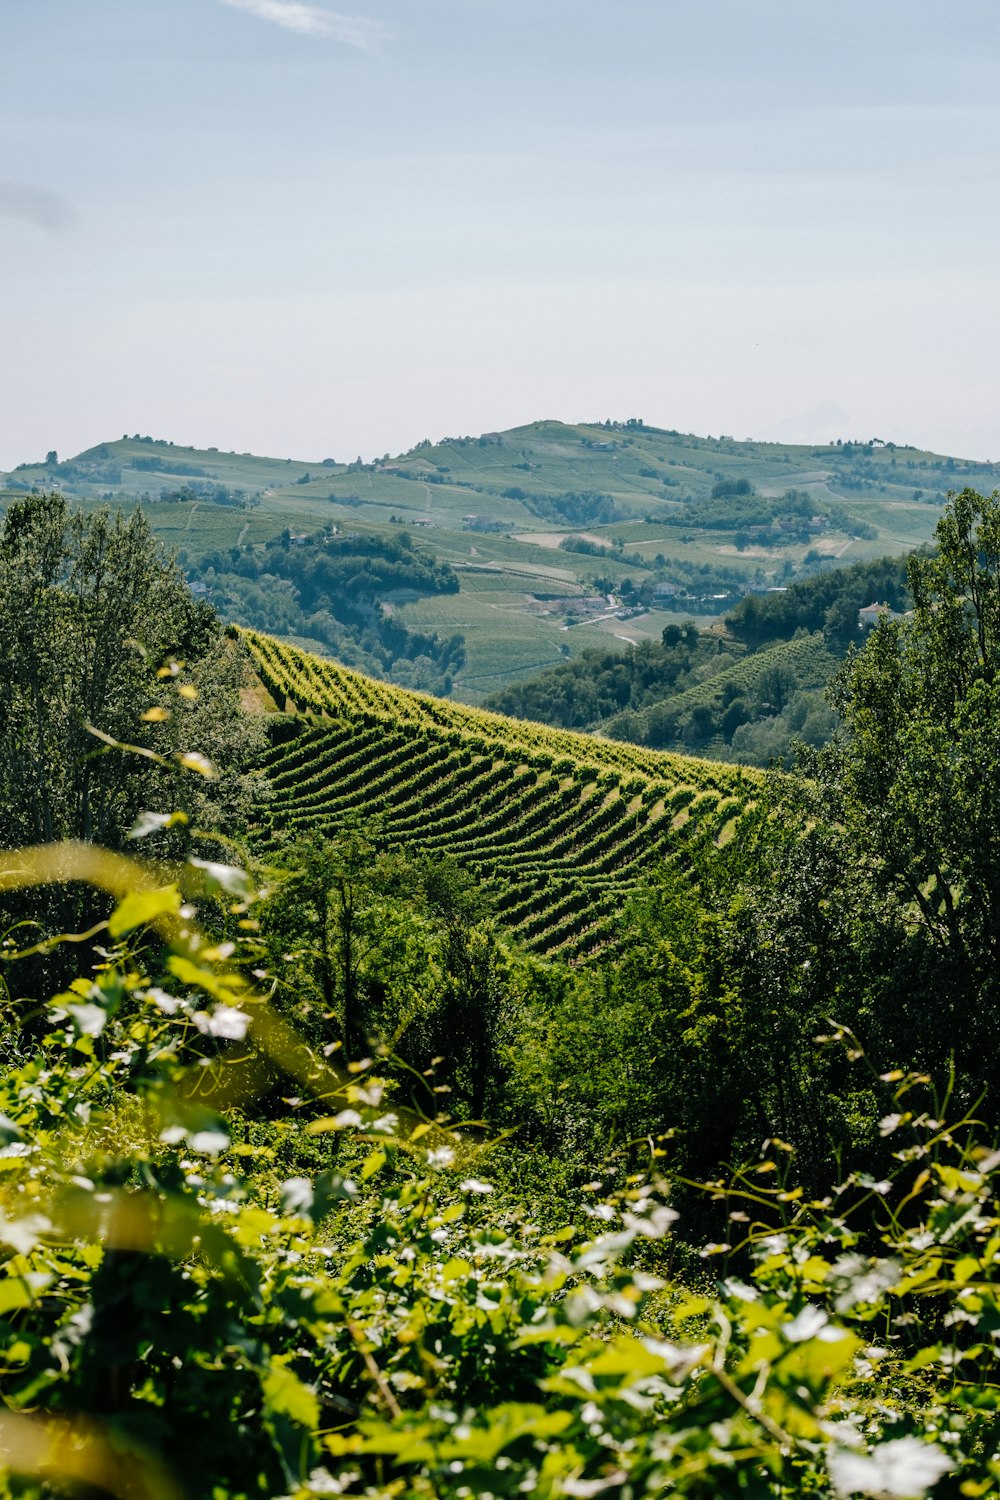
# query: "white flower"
{"points": [[209, 1142], [654, 1225], [903, 1469], [224, 1021], [441, 1157], [809, 1322], [169, 1004]]}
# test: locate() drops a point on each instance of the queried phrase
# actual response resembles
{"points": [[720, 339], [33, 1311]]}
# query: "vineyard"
{"points": [[771, 675], [559, 825]]}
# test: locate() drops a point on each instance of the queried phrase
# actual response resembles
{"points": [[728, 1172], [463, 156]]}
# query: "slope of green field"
{"points": [[560, 826]]}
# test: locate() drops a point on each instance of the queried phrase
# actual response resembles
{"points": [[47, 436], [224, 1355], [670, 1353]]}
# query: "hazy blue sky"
{"points": [[304, 229]]}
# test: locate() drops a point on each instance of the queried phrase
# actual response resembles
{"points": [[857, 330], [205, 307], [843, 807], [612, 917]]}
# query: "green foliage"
{"points": [[598, 684], [374, 952], [113, 681], [328, 586], [728, 705], [829, 602], [915, 779], [576, 509], [87, 614], [371, 1325]]}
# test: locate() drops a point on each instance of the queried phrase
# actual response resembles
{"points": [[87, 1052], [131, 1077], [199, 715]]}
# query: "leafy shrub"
{"points": [[179, 1312]]}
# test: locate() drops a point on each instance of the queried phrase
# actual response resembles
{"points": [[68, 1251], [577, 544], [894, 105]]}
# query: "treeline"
{"points": [[751, 711], [596, 685], [211, 494], [693, 691], [329, 588], [734, 505], [828, 602], [584, 508]]}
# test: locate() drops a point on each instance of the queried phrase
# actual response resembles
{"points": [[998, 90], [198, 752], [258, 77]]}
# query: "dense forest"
{"points": [[318, 1182], [330, 587]]}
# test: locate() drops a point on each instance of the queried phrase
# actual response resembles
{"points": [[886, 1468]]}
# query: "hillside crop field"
{"points": [[560, 826], [540, 523]]}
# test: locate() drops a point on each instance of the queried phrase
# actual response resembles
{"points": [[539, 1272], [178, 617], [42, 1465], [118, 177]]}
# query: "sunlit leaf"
{"points": [[285, 1394], [142, 908], [193, 760]]}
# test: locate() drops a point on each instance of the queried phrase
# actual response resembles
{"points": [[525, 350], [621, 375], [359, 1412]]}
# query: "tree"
{"points": [[916, 774], [322, 910], [88, 613], [94, 626]]}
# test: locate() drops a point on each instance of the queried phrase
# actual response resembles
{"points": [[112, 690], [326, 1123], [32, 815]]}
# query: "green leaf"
{"points": [[373, 1163], [142, 907], [229, 879], [14, 1295], [153, 822], [965, 1269], [201, 978], [286, 1395]]}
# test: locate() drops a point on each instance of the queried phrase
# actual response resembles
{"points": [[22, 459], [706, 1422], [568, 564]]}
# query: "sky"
{"points": [[320, 230]]}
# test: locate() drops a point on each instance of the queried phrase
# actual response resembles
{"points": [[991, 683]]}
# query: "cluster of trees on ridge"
{"points": [[216, 1283], [585, 508], [329, 587], [734, 505]]}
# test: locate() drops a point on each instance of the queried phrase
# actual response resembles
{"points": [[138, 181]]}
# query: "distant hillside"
{"points": [[725, 712], [745, 690], [558, 826], [562, 536]]}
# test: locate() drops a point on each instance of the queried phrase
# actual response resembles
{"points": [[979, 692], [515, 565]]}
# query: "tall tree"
{"points": [[916, 774], [88, 612]]}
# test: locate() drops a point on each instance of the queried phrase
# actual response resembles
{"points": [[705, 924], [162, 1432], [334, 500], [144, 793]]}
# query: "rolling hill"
{"points": [[559, 826], [562, 536]]}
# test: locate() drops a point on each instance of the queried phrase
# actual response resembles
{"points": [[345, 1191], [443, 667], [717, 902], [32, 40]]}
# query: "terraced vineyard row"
{"points": [[559, 825], [805, 659]]}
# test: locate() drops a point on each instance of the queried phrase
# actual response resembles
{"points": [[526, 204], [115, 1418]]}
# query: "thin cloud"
{"points": [[36, 206], [315, 20]]}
